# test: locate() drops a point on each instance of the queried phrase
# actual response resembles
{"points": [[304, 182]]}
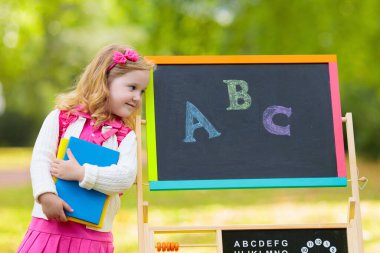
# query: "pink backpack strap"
{"points": [[65, 119], [123, 131]]}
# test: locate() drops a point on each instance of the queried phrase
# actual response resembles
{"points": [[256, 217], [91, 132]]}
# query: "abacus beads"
{"points": [[167, 246]]}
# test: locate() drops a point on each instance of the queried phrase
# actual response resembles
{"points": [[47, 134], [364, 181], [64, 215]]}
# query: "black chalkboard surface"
{"points": [[245, 125]]}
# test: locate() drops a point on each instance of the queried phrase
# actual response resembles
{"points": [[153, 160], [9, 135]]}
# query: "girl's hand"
{"points": [[53, 207], [67, 170]]}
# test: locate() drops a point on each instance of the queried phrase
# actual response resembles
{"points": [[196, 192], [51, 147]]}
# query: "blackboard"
{"points": [[326, 240], [244, 122]]}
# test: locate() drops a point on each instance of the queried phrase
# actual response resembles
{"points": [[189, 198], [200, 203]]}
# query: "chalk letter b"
{"points": [[235, 95], [191, 113]]}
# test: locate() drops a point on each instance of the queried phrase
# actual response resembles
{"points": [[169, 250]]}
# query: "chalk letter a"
{"points": [[191, 113]]}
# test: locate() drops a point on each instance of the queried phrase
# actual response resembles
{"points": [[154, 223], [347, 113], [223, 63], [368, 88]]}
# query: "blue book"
{"points": [[89, 205]]}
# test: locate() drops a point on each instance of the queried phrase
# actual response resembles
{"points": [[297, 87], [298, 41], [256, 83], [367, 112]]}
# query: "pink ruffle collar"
{"points": [[115, 123]]}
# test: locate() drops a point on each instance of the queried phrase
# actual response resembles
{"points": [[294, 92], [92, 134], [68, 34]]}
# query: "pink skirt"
{"points": [[53, 236]]}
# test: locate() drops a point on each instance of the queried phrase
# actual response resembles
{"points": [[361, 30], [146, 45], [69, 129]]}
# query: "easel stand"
{"points": [[146, 233], [355, 232]]}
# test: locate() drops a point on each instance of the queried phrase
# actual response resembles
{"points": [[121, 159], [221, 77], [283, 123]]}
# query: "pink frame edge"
{"points": [[337, 119]]}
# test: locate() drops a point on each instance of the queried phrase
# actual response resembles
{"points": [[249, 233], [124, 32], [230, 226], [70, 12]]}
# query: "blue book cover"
{"points": [[88, 205]]}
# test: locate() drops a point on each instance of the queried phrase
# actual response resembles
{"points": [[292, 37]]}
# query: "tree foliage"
{"points": [[45, 45]]}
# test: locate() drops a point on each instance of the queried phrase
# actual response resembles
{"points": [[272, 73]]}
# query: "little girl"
{"points": [[101, 109]]}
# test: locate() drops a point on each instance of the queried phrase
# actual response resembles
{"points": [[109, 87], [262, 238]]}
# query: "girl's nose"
{"points": [[137, 97]]}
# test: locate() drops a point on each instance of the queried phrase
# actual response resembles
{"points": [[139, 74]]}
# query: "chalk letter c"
{"points": [[268, 115]]}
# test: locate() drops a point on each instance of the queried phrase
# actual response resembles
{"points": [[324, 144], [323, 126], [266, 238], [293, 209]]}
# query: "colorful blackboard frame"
{"points": [[339, 181]]}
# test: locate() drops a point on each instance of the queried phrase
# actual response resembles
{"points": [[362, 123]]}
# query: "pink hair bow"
{"points": [[119, 58]]}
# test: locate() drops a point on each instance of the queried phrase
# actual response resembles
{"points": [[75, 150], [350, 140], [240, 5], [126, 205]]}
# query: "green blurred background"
{"points": [[46, 44]]}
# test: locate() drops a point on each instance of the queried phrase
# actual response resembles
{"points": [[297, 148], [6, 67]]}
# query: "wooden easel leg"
{"points": [[351, 235], [357, 232], [151, 242], [351, 229], [139, 189], [219, 241]]}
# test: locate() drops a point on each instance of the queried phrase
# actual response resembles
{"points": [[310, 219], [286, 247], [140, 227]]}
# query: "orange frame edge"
{"points": [[242, 59]]}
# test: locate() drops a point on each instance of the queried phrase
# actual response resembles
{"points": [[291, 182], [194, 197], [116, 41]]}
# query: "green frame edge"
{"points": [[151, 130]]}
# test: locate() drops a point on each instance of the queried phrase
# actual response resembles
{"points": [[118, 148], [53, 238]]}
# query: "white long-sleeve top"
{"points": [[110, 180]]}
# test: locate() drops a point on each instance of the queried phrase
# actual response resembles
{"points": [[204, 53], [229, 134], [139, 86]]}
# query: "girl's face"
{"points": [[126, 92]]}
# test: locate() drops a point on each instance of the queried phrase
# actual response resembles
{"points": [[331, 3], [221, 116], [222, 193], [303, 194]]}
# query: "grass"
{"points": [[15, 158], [220, 207]]}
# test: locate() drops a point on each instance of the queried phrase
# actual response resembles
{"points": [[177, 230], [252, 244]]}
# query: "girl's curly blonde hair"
{"points": [[92, 89]]}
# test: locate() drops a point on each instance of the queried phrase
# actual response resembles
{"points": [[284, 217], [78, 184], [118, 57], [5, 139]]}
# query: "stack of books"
{"points": [[89, 205]]}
